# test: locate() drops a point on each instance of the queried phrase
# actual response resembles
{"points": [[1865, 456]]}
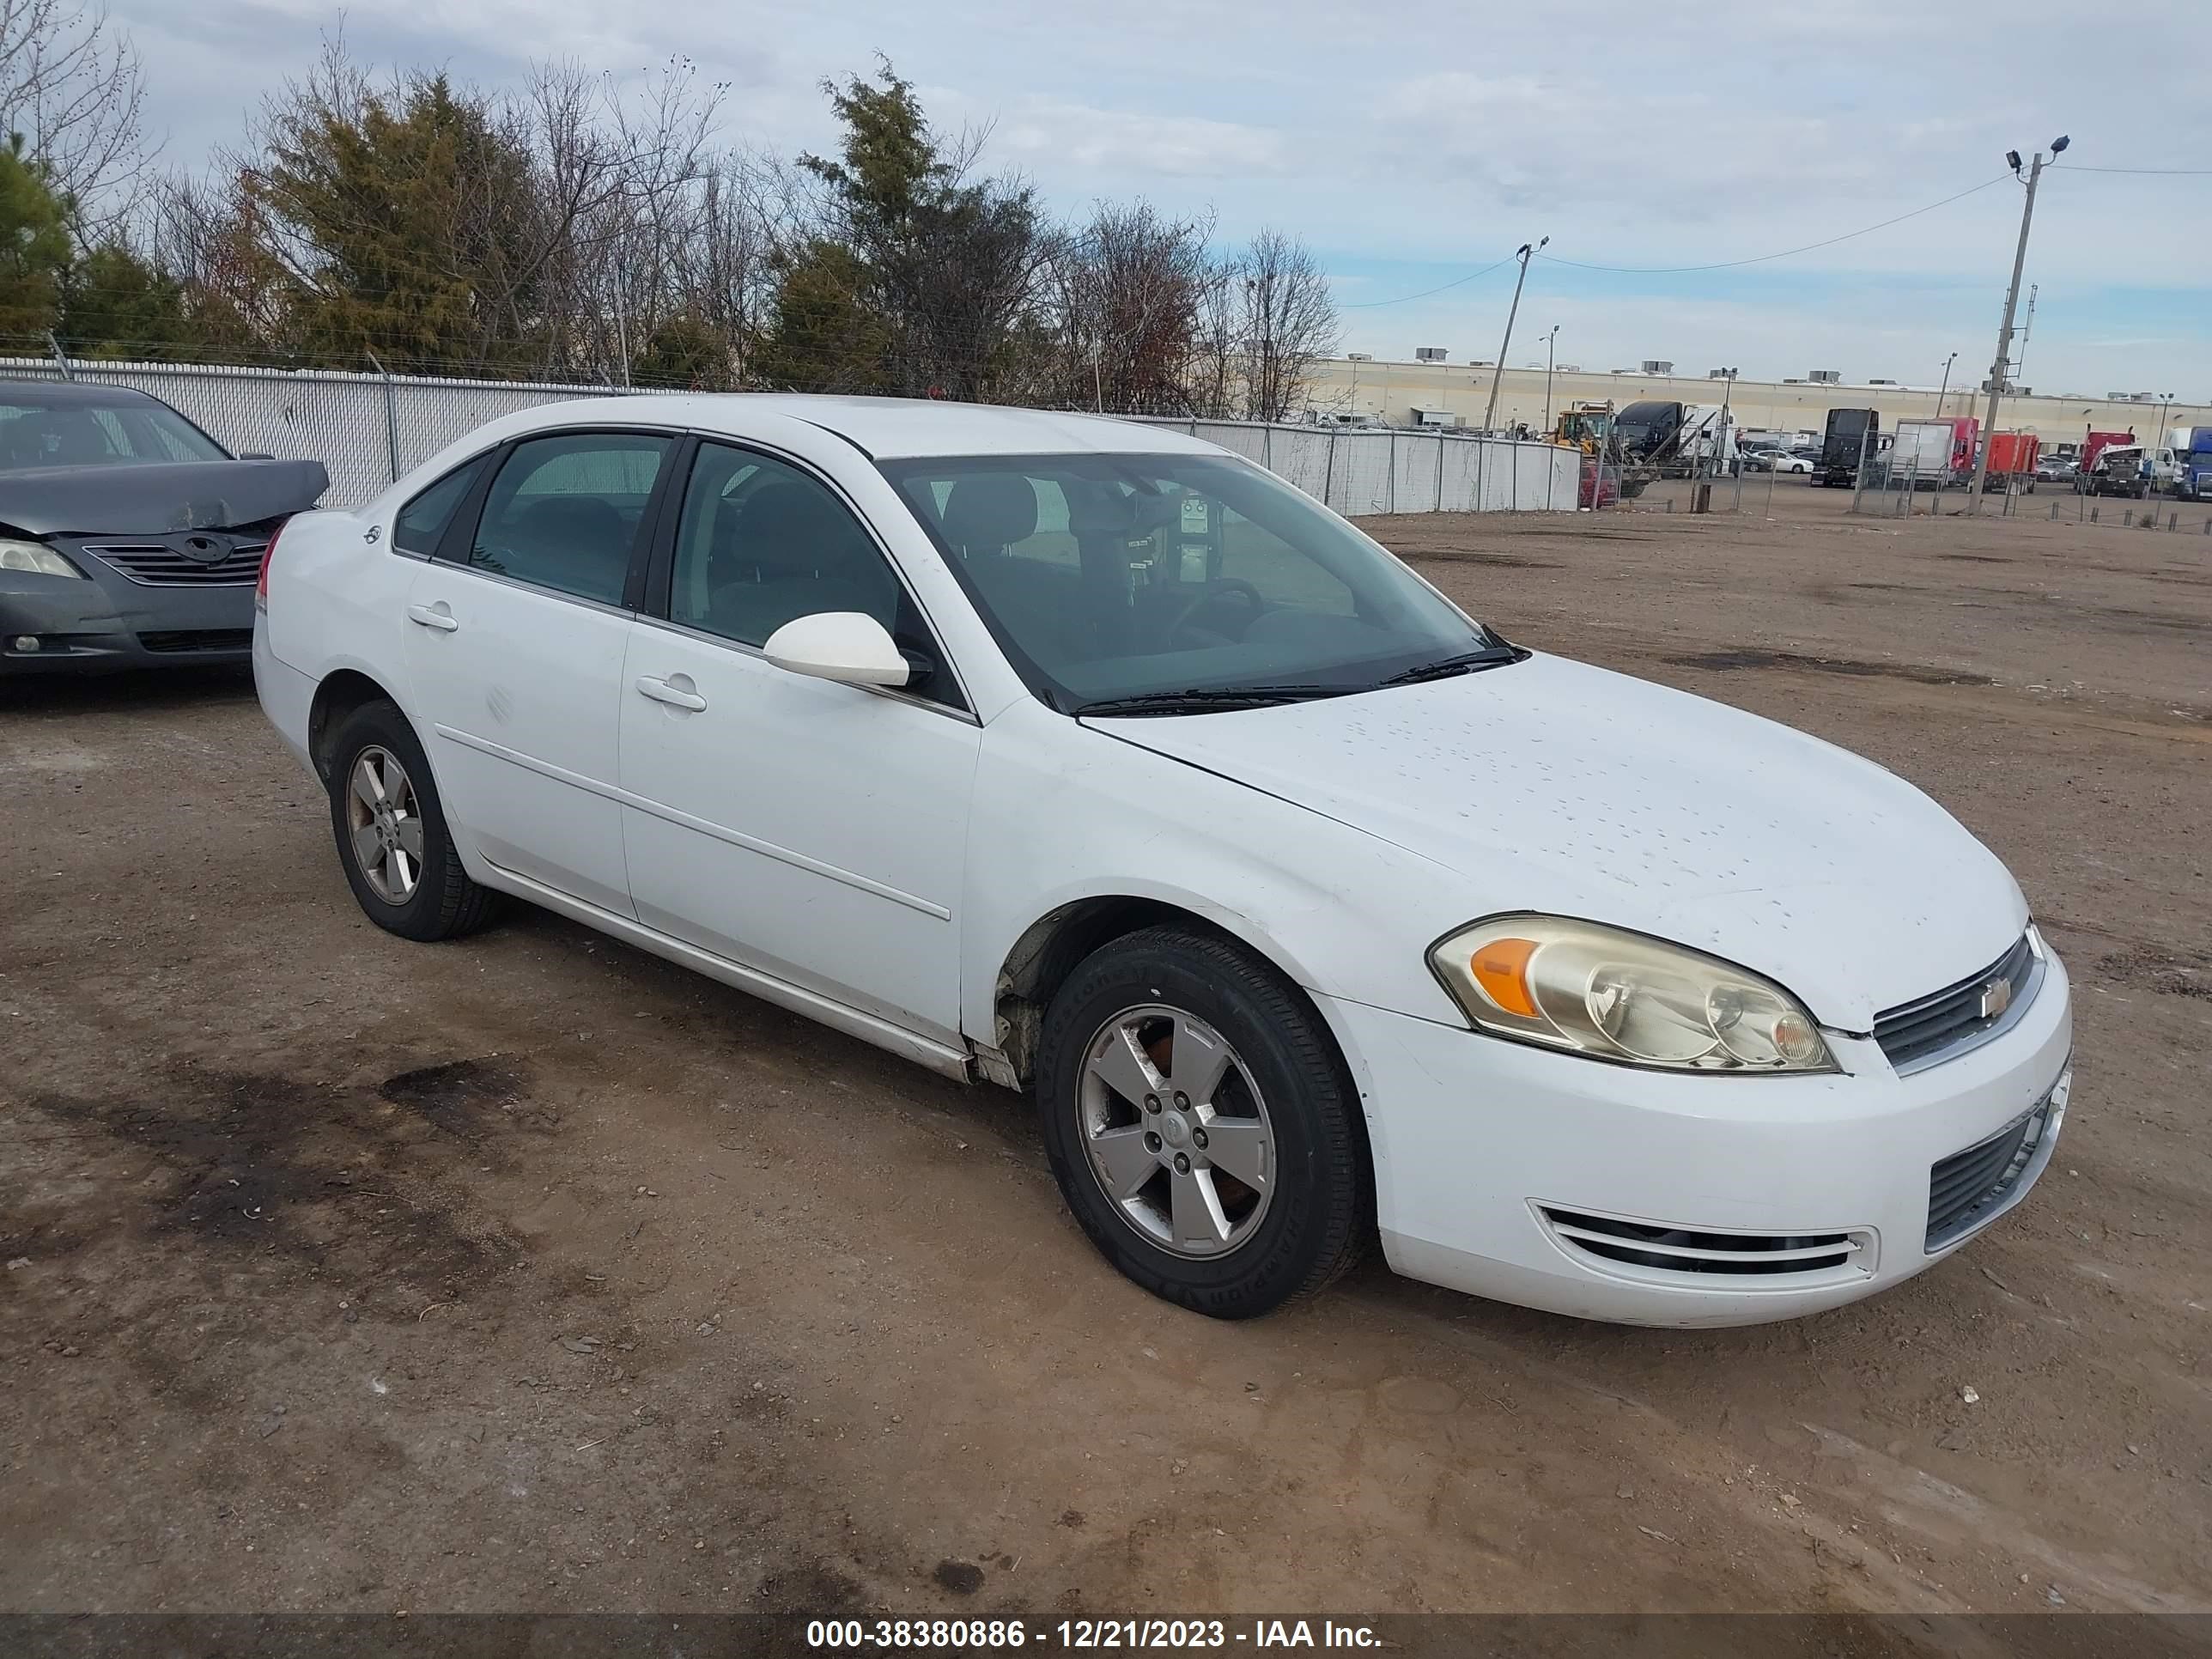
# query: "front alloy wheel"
{"points": [[1201, 1123], [1177, 1136]]}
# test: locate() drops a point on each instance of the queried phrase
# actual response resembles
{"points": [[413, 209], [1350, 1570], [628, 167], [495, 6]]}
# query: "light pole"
{"points": [[1551, 353], [1946, 392], [2004, 329], [1523, 253], [2164, 408]]}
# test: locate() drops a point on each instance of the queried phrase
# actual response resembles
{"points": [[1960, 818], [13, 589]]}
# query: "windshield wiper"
{"points": [[1467, 662], [1203, 700]]}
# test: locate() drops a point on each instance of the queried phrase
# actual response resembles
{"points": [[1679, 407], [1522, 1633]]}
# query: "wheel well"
{"points": [[1051, 948], [336, 698]]}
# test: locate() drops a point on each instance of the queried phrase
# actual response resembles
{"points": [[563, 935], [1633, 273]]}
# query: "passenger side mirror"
{"points": [[848, 647], [255, 455]]}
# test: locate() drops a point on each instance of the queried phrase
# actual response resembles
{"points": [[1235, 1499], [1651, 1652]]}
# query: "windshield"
{"points": [[94, 435], [1112, 577]]}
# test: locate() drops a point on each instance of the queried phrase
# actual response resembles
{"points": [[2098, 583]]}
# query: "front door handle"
{"points": [[667, 691], [435, 616]]}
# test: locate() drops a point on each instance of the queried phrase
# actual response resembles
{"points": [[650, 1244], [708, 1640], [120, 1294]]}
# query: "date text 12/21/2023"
{"points": [[1084, 1635]]}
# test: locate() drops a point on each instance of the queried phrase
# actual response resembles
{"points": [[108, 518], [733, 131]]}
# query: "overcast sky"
{"points": [[1413, 143]]}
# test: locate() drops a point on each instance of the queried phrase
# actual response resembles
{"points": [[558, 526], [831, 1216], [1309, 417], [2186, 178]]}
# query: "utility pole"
{"points": [[1523, 253], [1946, 392], [2004, 329], [1551, 353]]}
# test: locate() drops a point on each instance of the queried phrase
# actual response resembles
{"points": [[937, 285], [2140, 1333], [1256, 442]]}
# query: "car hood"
{"points": [[151, 500], [1554, 787]]}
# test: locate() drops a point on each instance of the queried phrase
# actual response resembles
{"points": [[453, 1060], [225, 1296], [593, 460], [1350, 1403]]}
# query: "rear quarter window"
{"points": [[421, 523]]}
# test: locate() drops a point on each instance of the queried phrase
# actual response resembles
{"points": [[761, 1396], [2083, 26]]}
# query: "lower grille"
{"points": [[1686, 1250], [158, 564], [1968, 1188], [199, 639], [1917, 1032]]}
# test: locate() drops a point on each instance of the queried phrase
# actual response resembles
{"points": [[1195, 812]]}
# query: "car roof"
{"points": [[69, 394], [884, 428]]}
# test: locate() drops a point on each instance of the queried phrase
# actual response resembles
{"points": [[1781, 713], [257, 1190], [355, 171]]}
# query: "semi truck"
{"points": [[2192, 467], [1674, 440], [1851, 433], [2095, 443]]}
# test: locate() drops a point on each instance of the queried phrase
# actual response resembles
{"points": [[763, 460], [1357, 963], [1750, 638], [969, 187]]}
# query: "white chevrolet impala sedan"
{"points": [[1083, 757]]}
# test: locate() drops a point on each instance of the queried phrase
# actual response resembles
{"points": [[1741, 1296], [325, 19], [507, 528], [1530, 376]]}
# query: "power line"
{"points": [[1761, 258], [1456, 281], [2163, 172]]}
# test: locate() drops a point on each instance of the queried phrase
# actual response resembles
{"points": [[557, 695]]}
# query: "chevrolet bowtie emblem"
{"points": [[1997, 996]]}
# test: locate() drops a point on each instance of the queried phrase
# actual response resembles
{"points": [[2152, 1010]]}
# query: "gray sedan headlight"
{"points": [[1615, 995], [36, 558]]}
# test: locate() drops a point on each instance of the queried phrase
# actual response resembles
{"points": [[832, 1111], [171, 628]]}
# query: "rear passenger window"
{"points": [[564, 512], [421, 523]]}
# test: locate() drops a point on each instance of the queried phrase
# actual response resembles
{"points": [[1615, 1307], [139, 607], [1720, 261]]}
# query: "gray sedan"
{"points": [[128, 539]]}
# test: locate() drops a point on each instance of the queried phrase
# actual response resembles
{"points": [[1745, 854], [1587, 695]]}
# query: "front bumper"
{"points": [[1499, 1164], [104, 623]]}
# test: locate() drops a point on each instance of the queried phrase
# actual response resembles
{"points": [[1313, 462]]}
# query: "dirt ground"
{"points": [[529, 1272]]}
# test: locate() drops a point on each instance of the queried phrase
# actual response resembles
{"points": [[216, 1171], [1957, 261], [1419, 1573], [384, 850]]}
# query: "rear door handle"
{"points": [[435, 616], [676, 696]]}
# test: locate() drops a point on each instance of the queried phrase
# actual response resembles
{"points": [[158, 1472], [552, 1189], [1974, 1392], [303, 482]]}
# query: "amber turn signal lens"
{"points": [[1501, 968]]}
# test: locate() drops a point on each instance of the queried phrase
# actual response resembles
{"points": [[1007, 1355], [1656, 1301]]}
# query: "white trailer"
{"points": [[1921, 453]]}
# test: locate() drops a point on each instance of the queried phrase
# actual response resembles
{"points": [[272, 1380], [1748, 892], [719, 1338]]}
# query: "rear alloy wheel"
{"points": [[1200, 1125], [393, 844]]}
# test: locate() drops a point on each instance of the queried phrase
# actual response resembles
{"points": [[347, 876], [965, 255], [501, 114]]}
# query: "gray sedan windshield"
{"points": [[1174, 583], [122, 434]]}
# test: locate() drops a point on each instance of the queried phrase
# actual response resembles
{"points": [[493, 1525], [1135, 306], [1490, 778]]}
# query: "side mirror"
{"points": [[255, 455], [848, 647]]}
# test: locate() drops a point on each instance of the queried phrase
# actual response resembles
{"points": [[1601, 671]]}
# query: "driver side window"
{"points": [[760, 544]]}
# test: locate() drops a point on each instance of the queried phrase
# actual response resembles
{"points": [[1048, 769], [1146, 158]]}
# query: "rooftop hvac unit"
{"points": [[1657, 366], [1825, 376], [1359, 356], [1881, 383], [1788, 381], [1429, 353]]}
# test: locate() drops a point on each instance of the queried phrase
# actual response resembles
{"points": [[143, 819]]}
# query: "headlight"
{"points": [[36, 557], [1616, 995]]}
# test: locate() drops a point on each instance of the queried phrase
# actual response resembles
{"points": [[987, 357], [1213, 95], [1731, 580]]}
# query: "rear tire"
{"points": [[393, 843], [1174, 1005]]}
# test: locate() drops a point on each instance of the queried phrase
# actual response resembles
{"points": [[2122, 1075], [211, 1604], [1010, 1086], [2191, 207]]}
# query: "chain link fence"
{"points": [[367, 429]]}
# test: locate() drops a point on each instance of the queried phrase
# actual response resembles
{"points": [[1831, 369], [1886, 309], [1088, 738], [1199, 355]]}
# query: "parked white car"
{"points": [[1077, 755]]}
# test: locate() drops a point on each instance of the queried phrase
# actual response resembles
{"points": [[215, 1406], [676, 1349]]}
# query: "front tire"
{"points": [[393, 843], [1200, 1124]]}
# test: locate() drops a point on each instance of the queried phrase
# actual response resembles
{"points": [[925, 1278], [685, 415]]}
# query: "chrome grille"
{"points": [[163, 564], [1690, 1250], [1918, 1033]]}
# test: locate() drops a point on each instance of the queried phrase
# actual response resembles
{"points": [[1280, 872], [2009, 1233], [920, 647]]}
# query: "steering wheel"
{"points": [[1213, 592]]}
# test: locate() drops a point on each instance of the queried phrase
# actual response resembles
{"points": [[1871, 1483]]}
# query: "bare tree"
{"points": [[1287, 322], [1129, 287], [71, 83]]}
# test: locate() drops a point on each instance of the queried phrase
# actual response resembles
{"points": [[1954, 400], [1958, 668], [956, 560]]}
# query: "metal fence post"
{"points": [[391, 415], [1328, 470], [1391, 499], [1441, 441], [1267, 445], [1858, 478], [1516, 508]]}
